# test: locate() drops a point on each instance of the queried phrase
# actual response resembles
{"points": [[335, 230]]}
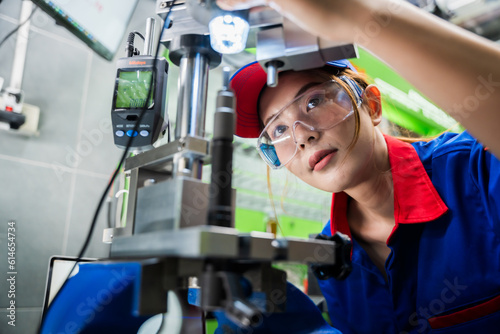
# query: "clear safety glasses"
{"points": [[320, 108]]}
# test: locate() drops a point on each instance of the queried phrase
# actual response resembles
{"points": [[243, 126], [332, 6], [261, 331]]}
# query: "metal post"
{"points": [[16, 78], [194, 56], [193, 84], [148, 38], [191, 106]]}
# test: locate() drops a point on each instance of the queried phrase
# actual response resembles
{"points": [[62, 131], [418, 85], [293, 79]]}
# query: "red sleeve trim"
{"points": [[471, 313]]}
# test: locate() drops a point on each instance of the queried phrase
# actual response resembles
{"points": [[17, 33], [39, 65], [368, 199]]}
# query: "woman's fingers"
{"points": [[330, 19], [240, 4]]}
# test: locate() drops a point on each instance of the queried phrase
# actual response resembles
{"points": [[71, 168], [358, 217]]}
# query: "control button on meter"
{"points": [[119, 133], [144, 133], [132, 133]]}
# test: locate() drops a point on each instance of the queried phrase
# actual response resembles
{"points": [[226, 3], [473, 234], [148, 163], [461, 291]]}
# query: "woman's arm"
{"points": [[456, 69]]}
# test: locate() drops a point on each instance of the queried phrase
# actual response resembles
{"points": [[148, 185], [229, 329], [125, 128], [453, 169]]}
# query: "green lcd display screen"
{"points": [[132, 89]]}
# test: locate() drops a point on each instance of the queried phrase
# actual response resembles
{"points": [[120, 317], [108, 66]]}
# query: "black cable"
{"points": [[131, 50], [139, 34], [108, 187], [168, 130], [18, 27], [130, 45], [110, 209]]}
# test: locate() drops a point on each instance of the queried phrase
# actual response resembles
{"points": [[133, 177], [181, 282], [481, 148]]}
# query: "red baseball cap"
{"points": [[247, 83]]}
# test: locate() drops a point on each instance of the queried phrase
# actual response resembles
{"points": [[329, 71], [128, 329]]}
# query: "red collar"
{"points": [[415, 198]]}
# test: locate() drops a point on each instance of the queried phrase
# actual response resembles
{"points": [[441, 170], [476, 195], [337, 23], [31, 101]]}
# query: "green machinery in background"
{"points": [[402, 103]]}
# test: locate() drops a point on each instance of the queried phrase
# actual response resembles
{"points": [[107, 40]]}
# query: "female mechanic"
{"points": [[423, 217]]}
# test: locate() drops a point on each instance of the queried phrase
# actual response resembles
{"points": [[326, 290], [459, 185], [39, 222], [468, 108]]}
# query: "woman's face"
{"points": [[322, 160]]}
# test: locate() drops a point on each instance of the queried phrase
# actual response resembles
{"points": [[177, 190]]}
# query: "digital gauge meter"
{"points": [[139, 87]]}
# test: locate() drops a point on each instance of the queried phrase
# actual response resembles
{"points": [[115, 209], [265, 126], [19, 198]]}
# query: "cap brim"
{"points": [[247, 83]]}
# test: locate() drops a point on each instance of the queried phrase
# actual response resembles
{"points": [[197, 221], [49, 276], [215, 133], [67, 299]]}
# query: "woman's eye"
{"points": [[278, 131], [313, 102]]}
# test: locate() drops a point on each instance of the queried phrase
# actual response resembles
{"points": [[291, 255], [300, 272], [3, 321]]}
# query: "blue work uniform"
{"points": [[443, 271]]}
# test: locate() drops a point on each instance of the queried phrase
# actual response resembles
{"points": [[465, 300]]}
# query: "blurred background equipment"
{"points": [[99, 24], [15, 115], [482, 17]]}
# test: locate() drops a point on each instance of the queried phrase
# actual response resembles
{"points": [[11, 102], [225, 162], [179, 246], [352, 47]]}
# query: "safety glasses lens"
{"points": [[269, 155]]}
